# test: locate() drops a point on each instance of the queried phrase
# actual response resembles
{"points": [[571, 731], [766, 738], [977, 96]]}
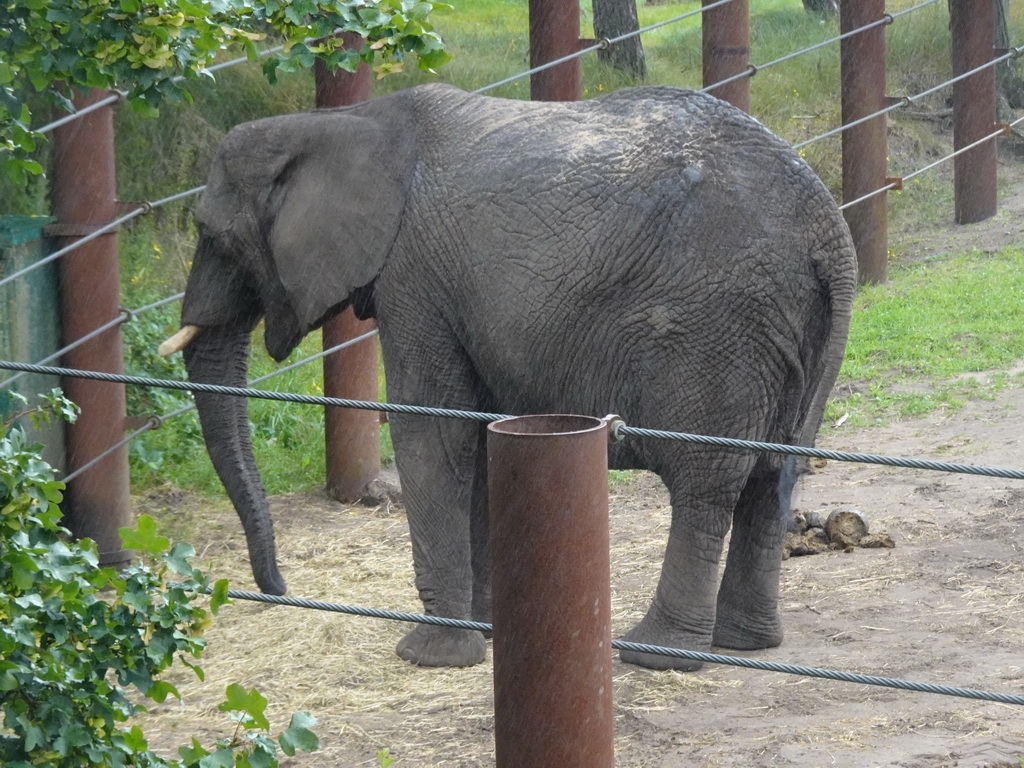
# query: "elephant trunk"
{"points": [[219, 355]]}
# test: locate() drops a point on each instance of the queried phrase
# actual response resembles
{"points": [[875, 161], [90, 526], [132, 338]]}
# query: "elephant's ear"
{"points": [[335, 210]]}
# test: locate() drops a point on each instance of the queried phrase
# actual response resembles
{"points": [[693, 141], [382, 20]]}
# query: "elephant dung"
{"points": [[841, 530], [845, 528]]}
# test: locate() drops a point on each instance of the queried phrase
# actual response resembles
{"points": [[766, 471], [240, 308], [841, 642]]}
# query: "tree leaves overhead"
{"points": [[151, 50]]}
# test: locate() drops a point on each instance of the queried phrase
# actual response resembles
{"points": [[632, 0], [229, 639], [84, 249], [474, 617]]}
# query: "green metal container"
{"points": [[29, 325]]}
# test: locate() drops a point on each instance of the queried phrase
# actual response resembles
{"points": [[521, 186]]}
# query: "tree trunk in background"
{"points": [[830, 7], [618, 17], [1008, 78]]}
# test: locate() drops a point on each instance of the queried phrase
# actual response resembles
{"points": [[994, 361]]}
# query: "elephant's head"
{"points": [[297, 218]]}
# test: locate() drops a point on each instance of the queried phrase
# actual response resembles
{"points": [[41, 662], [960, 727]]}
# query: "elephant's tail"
{"points": [[835, 265]]}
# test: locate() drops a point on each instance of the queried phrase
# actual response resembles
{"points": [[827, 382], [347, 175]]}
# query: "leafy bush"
{"points": [[79, 643]]}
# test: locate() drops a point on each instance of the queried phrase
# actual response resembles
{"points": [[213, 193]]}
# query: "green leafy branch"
{"points": [[75, 639], [152, 49]]}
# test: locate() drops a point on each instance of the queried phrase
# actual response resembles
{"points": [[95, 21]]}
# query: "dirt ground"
{"points": [[946, 605]]}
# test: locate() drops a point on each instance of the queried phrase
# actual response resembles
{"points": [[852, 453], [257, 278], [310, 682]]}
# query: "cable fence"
{"points": [[752, 69], [908, 100], [624, 645], [156, 421], [619, 430]]}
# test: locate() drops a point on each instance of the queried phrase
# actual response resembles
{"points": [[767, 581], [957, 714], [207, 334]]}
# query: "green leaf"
{"points": [[134, 739], [222, 758], [219, 596], [159, 691], [177, 558], [251, 704], [194, 753], [144, 537], [298, 735]]}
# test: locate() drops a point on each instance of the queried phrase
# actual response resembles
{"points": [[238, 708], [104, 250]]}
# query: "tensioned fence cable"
{"points": [[155, 422], [144, 208], [940, 161], [753, 69], [119, 94], [604, 43], [124, 316], [1013, 53], [619, 430], [622, 645]]}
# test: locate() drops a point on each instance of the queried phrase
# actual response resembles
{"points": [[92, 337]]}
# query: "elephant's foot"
{"points": [[431, 646], [742, 631], [649, 632]]}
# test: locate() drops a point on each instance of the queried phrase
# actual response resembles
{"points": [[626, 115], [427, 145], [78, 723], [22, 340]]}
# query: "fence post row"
{"points": [[862, 62], [972, 27], [551, 584], [83, 190], [352, 437]]}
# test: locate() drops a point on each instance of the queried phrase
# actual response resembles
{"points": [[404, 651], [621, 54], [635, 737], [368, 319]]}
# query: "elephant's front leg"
{"points": [[436, 459]]}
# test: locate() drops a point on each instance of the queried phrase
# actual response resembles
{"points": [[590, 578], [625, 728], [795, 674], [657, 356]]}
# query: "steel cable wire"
{"points": [[119, 94], [940, 161], [622, 645], [144, 208], [907, 100], [604, 43], [124, 316], [155, 422], [619, 430], [753, 69]]}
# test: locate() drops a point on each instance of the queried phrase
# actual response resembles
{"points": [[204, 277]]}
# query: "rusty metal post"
{"points": [[862, 59], [554, 33], [725, 33], [548, 486], [972, 26], [352, 437], [82, 194]]}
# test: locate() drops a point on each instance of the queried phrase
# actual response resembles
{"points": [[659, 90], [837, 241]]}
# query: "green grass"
{"points": [[916, 340]]}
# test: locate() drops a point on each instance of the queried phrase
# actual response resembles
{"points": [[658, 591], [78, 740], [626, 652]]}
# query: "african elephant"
{"points": [[653, 253]]}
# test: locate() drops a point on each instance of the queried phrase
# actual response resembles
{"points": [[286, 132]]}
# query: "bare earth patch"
{"points": [[946, 605]]}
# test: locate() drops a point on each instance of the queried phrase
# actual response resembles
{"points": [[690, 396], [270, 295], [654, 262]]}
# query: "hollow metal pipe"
{"points": [[352, 449], [725, 34], [972, 29], [82, 194], [548, 491], [862, 61], [554, 33]]}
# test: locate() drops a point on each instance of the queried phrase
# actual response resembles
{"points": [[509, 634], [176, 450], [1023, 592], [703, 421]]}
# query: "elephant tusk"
{"points": [[178, 341]]}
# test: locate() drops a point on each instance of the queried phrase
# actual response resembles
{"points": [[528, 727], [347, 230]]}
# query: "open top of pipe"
{"points": [[550, 424]]}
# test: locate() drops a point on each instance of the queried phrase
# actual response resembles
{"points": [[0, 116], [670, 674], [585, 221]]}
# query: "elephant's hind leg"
{"points": [[682, 614], [747, 616]]}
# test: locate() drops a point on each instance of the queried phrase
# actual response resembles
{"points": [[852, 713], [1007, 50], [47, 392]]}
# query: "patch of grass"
{"points": [[918, 342]]}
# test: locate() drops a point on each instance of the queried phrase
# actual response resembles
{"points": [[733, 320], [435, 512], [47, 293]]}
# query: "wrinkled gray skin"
{"points": [[653, 253]]}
